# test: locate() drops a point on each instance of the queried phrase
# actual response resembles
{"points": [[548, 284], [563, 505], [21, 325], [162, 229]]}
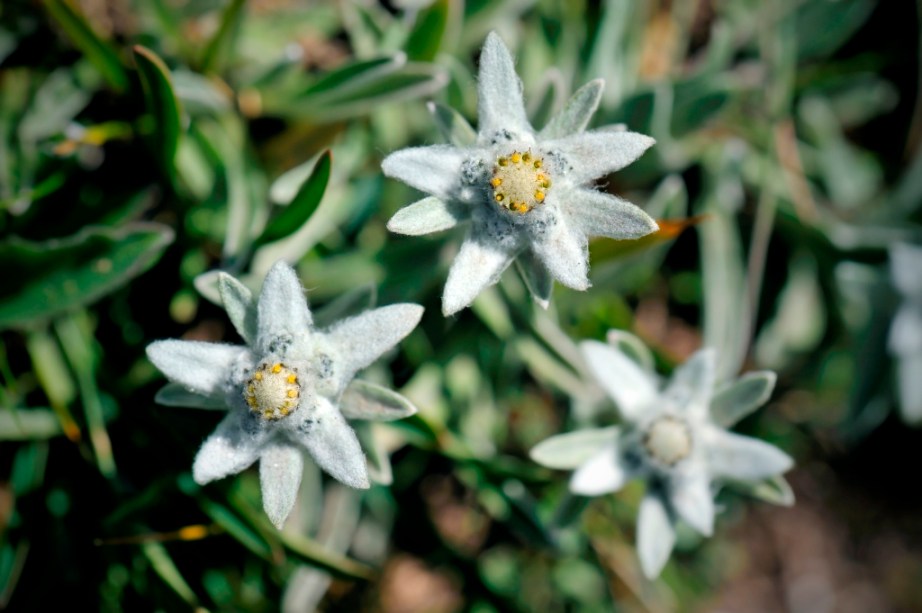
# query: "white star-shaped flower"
{"points": [[288, 389], [905, 340], [675, 439], [528, 195]]}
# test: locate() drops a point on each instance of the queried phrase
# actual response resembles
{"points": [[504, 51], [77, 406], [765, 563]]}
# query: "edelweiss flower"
{"points": [[283, 389], [675, 439], [528, 195], [906, 329]]}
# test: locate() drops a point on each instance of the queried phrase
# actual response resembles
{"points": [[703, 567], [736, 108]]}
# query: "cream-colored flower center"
{"points": [[520, 181], [668, 440], [273, 391]]}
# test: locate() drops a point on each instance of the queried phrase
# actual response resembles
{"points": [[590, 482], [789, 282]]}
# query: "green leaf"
{"points": [[219, 47], [28, 425], [58, 275], [428, 34], [166, 569], [453, 125], [162, 105], [97, 51], [305, 202]]}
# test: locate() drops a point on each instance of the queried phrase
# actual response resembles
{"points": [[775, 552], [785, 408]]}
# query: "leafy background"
{"points": [[144, 145]]}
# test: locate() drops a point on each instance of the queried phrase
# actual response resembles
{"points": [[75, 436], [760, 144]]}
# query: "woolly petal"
{"points": [[283, 312], [598, 153], [692, 383], [693, 502], [499, 93], [435, 170], [906, 330], [909, 372], [736, 400], [175, 395], [280, 470], [478, 265], [602, 473], [598, 214], [240, 305], [428, 215], [577, 113], [359, 341], [366, 401], [232, 447], [332, 443], [537, 279], [199, 367], [731, 456], [905, 262], [655, 535], [572, 449], [564, 251], [632, 389]]}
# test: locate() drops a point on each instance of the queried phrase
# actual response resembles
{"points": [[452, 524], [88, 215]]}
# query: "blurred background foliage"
{"points": [[146, 145]]}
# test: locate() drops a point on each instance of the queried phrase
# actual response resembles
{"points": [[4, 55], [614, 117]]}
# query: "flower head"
{"points": [[287, 389], [674, 438], [527, 194], [905, 341]]}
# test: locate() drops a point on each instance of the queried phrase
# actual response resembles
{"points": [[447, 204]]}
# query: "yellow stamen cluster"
{"points": [[519, 182], [273, 391], [668, 440]]}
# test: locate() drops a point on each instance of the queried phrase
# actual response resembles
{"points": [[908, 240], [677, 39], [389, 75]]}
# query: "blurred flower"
{"points": [[287, 389], [528, 195], [906, 329], [675, 439]]}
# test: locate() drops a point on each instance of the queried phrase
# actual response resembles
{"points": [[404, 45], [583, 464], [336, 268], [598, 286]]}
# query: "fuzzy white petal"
{"points": [[572, 449], [537, 279], [905, 262], [478, 265], [693, 501], [739, 398], [598, 214], [280, 470], [283, 312], [197, 366], [732, 456], [428, 215], [435, 170], [595, 154], [602, 473], [360, 340], [909, 372], [692, 383], [367, 401], [499, 93], [240, 305], [564, 251], [175, 395], [632, 389], [655, 535], [577, 113], [331, 442], [906, 329], [232, 447]]}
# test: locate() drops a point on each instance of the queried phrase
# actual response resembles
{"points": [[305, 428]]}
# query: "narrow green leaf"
{"points": [[166, 569], [305, 202], [162, 105], [428, 34], [312, 553], [28, 425], [220, 46], [453, 125], [44, 279], [97, 51]]}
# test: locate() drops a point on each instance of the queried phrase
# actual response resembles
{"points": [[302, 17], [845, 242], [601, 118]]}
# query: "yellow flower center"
{"points": [[273, 391], [668, 440], [520, 181]]}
